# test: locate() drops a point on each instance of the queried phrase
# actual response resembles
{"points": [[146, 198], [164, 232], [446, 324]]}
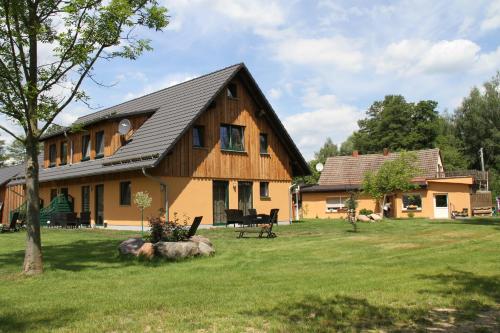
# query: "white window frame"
{"points": [[334, 204], [405, 208]]}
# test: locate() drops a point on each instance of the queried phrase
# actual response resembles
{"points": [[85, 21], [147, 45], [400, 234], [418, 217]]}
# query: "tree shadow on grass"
{"points": [[472, 221], [32, 321], [341, 314], [77, 256], [475, 299]]}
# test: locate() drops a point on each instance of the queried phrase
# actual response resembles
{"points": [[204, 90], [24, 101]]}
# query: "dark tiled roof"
{"points": [[7, 173], [175, 109], [350, 170]]}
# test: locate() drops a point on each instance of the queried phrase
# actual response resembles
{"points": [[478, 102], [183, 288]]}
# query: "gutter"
{"points": [[163, 189]]}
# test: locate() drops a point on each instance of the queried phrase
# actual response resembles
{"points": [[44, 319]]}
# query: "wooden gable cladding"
{"points": [[112, 139], [212, 162]]}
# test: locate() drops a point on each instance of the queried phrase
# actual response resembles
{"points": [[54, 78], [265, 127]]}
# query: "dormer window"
{"points": [[99, 144], [85, 147], [64, 153], [232, 92], [198, 137], [52, 155]]}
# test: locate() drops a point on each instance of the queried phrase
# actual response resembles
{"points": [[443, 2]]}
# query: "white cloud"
{"points": [[337, 51], [275, 93], [325, 117], [414, 57], [492, 20]]}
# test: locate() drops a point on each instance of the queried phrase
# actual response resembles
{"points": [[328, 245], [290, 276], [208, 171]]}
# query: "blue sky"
{"points": [[320, 63]]}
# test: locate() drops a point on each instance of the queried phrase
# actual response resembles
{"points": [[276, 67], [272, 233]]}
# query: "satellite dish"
{"points": [[319, 167], [124, 126]]}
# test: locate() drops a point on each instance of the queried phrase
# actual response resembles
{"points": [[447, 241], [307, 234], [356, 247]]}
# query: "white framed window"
{"points": [[412, 201], [334, 204]]}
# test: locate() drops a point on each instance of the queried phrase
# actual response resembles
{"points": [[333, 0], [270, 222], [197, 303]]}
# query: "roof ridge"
{"points": [[382, 154], [163, 89]]}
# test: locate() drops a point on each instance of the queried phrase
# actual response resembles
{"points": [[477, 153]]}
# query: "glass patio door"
{"points": [[441, 206], [245, 201], [99, 204], [221, 201]]}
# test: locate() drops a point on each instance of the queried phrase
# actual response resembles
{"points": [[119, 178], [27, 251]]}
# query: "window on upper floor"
{"points": [[232, 91], [99, 144], [125, 193], [232, 137], [64, 153], [263, 143], [198, 136], [85, 147], [52, 155]]}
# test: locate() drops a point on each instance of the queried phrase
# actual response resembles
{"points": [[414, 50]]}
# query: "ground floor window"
{"points": [[85, 198], [264, 189], [125, 194], [334, 204], [412, 201], [53, 194]]}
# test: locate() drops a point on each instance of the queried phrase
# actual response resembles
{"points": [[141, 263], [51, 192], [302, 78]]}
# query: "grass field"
{"points": [[317, 276]]}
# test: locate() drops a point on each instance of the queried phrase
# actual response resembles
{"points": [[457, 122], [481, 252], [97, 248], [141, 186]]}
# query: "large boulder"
{"points": [[182, 250], [201, 239], [205, 249], [131, 246], [375, 217], [363, 218], [147, 251]]}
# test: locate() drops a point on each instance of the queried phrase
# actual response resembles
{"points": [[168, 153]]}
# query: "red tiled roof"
{"points": [[350, 170]]}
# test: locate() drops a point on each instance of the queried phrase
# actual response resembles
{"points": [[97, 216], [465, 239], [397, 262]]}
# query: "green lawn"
{"points": [[316, 276]]}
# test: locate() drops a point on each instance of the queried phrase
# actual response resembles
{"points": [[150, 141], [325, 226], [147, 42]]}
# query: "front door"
{"points": [[99, 204], [441, 206], [221, 201], [245, 201]]}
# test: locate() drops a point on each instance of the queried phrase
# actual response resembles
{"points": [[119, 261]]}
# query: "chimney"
{"points": [[355, 153], [386, 151]]}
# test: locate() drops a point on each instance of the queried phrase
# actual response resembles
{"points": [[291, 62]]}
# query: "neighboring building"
{"points": [[438, 193], [198, 148]]}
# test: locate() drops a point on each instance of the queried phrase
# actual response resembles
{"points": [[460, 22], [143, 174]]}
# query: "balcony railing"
{"points": [[477, 174]]}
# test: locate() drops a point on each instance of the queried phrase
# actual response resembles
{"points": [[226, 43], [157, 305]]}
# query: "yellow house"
{"points": [[439, 193], [200, 147]]}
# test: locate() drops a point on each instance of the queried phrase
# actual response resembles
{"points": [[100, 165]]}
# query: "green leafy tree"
{"points": [[329, 149], [347, 147], [478, 124], [398, 125], [4, 156], [142, 200], [16, 152], [450, 145], [393, 176], [78, 34]]}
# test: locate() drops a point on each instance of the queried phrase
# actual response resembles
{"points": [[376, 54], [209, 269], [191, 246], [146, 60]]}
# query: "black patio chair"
{"points": [[252, 212], [13, 223], [234, 217], [194, 226], [85, 219], [274, 215]]}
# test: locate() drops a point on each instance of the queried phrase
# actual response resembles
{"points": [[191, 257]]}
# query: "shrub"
{"points": [[168, 231], [411, 215], [365, 211]]}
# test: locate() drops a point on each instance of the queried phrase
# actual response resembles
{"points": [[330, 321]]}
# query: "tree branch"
{"points": [[74, 91], [11, 133]]}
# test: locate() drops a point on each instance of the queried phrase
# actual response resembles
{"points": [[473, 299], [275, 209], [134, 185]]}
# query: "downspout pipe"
{"points": [[163, 188], [290, 202]]}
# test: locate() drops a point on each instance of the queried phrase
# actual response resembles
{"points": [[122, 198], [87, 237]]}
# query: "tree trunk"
{"points": [[33, 256], [381, 205]]}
